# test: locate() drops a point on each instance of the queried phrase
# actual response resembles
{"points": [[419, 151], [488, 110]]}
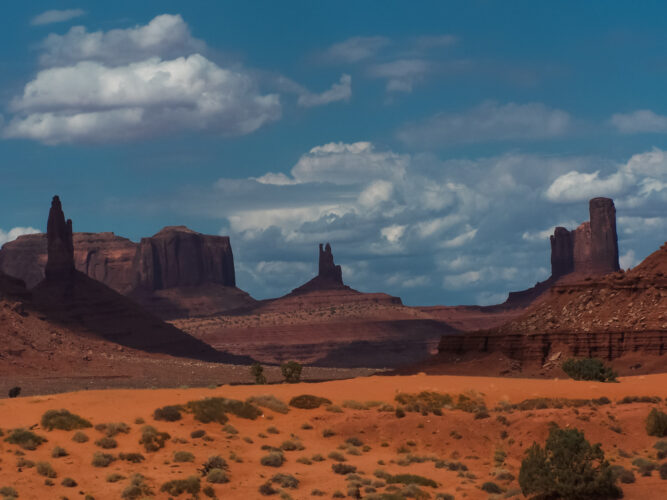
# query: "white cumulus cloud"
{"points": [[341, 91], [12, 234]]}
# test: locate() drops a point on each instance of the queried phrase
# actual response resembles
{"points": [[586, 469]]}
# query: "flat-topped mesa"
{"points": [[327, 269], [177, 256], [60, 261], [592, 248]]}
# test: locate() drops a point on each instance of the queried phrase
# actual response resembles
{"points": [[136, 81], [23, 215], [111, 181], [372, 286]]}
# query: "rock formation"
{"points": [[592, 248], [60, 261], [329, 276], [175, 273], [178, 256]]}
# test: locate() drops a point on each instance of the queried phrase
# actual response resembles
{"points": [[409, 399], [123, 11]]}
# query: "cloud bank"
{"points": [[56, 16]]}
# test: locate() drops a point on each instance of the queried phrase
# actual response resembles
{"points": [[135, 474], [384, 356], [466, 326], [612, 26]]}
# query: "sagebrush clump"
{"points": [[588, 369], [64, 420]]}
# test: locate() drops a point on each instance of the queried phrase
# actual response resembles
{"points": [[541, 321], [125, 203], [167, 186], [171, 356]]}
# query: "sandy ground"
{"points": [[455, 436]]}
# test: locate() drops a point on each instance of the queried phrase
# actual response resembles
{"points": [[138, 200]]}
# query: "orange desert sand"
{"points": [[455, 437]]}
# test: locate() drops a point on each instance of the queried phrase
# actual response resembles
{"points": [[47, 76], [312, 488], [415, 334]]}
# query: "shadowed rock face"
{"points": [[176, 256], [60, 262], [329, 276]]}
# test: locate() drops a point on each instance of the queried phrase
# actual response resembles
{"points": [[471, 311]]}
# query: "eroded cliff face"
{"points": [[177, 256], [174, 257], [590, 249]]}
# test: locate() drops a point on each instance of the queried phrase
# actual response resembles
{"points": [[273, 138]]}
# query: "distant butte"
{"points": [[329, 276]]}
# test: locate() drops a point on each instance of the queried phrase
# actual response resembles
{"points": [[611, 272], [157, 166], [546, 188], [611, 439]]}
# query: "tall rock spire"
{"points": [[60, 263], [328, 271]]}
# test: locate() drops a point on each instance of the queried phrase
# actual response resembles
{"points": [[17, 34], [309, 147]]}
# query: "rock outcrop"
{"points": [[178, 256], [592, 248], [60, 248], [164, 272], [329, 276]]}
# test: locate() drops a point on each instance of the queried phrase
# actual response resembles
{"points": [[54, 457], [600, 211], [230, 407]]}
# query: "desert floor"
{"points": [[457, 450]]}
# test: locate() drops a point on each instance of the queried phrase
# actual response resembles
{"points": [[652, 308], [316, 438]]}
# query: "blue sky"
{"points": [[436, 145]]}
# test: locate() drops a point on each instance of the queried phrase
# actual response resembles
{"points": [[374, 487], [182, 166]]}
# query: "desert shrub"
{"points": [[291, 445], [425, 401], [333, 408], [102, 459], [308, 402], [624, 475], [68, 482], [26, 439], [491, 487], [656, 423], [8, 493], [306, 426], [273, 430], [317, 458], [291, 372], [273, 459], [198, 433], [588, 369], [567, 467], [114, 478], [64, 420], [217, 476], [304, 461], [267, 489], [107, 443], [327, 433], [286, 481], [58, 452], [208, 491], [337, 456], [644, 467], [80, 437], [470, 402], [354, 441], [229, 429], [639, 399], [23, 462], [410, 479], [176, 487], [257, 372], [169, 413], [45, 469], [137, 488], [270, 402], [400, 412], [662, 470], [183, 456], [214, 462], [113, 428], [152, 439], [133, 458], [343, 468], [215, 410]]}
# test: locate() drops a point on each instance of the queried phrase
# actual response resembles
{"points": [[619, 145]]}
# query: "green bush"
{"points": [[102, 459], [308, 402], [588, 369], [291, 371], [152, 439], [137, 488], [273, 459], [343, 469], [107, 443], [257, 372], [410, 479], [176, 487], [567, 467], [133, 458], [656, 423], [183, 456], [80, 437], [170, 413], [114, 428], [215, 410], [68, 482], [425, 401], [214, 462], [286, 481], [64, 420], [26, 439], [270, 402], [45, 469], [217, 476]]}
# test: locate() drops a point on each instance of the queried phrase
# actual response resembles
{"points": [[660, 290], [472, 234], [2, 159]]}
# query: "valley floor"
{"points": [[459, 450]]}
